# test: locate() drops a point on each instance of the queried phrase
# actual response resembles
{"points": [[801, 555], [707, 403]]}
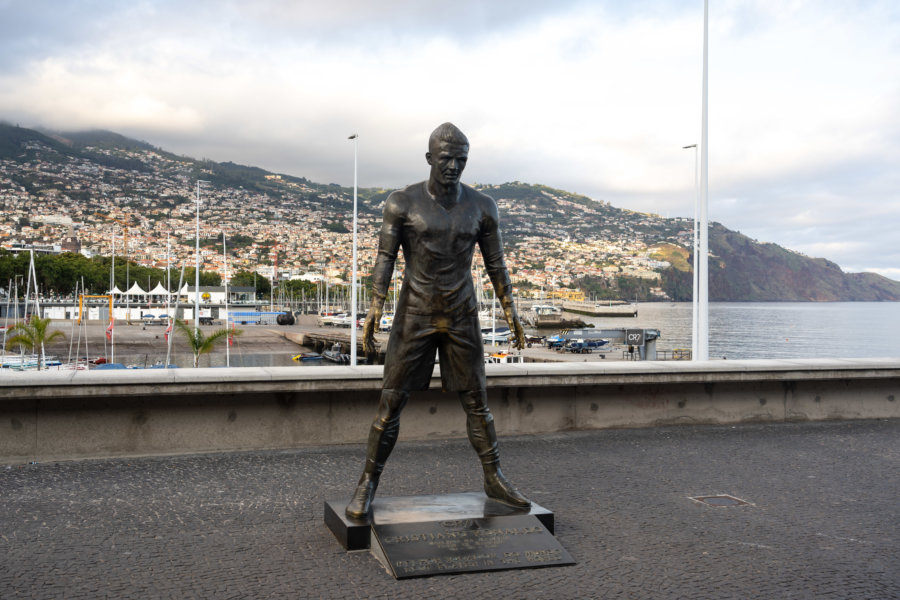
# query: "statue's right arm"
{"points": [[388, 247]]}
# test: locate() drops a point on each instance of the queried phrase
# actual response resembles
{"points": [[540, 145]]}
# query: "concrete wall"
{"points": [[66, 415]]}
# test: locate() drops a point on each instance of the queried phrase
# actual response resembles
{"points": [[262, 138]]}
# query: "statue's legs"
{"points": [[483, 437], [382, 437]]}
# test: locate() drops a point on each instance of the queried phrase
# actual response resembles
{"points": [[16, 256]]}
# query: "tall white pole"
{"points": [[112, 275], [168, 278], [112, 266], [703, 262], [695, 300], [197, 267], [355, 139]]}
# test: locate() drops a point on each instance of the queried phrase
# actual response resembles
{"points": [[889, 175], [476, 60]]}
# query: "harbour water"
{"points": [[742, 330], [737, 330]]}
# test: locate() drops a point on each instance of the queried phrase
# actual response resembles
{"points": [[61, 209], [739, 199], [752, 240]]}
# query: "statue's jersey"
{"points": [[438, 244]]}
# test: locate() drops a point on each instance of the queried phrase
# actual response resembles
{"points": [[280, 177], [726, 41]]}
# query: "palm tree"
{"points": [[200, 343], [32, 336]]}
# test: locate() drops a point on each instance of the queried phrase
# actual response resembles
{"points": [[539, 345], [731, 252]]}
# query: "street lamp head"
{"points": [[691, 146], [353, 137]]}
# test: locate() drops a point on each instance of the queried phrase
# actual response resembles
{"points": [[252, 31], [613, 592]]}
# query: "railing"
{"points": [[676, 354]]}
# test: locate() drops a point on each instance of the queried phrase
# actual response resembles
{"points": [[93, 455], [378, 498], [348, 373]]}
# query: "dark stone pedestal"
{"points": [[426, 535], [354, 534]]}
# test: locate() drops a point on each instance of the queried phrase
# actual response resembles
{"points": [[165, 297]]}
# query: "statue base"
{"points": [[416, 536]]}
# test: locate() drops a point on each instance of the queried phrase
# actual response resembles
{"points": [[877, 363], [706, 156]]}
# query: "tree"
{"points": [[299, 287], [32, 336], [248, 279], [201, 343], [207, 278], [336, 227]]}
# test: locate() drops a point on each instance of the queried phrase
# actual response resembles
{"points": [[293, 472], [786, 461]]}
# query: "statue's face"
{"points": [[447, 160]]}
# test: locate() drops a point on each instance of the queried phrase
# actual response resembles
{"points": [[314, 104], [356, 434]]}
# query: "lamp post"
{"points": [[168, 278], [353, 308], [695, 334], [703, 230]]}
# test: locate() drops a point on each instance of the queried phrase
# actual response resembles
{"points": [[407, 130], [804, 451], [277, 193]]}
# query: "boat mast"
{"points": [[28, 283], [172, 317], [227, 317]]}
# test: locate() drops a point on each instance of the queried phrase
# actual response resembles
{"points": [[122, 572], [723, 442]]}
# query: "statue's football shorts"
{"points": [[414, 338]]}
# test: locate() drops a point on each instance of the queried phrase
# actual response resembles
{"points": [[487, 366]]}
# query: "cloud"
{"points": [[593, 97]]}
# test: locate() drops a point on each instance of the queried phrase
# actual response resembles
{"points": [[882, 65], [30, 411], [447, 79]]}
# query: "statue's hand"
{"points": [[373, 319], [518, 331]]}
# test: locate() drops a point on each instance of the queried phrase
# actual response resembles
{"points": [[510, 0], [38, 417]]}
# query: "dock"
{"points": [[592, 309]]}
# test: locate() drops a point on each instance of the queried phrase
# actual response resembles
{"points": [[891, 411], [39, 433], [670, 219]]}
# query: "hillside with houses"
{"points": [[99, 192]]}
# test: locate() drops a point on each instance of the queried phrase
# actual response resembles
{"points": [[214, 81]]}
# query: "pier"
{"points": [[596, 309]]}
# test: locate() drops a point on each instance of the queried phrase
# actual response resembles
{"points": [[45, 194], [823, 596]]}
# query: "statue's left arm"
{"points": [[491, 245]]}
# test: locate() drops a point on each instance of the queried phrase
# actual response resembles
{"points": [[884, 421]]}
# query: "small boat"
{"points": [[28, 362], [502, 358], [554, 342], [336, 356], [501, 335], [75, 365], [546, 315], [308, 356], [585, 346]]}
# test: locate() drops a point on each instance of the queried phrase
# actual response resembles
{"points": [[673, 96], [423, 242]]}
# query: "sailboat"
{"points": [[33, 361]]}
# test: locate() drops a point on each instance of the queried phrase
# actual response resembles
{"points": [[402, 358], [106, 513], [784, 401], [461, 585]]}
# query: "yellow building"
{"points": [[567, 294]]}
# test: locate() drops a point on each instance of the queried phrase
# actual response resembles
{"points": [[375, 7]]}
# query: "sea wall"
{"points": [[58, 415]]}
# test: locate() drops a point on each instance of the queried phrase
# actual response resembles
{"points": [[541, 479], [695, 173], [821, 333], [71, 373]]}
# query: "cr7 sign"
{"points": [[634, 337]]}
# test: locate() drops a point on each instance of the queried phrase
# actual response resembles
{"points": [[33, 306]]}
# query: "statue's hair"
{"points": [[448, 132]]}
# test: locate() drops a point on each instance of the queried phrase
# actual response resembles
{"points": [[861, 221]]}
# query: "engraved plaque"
{"points": [[466, 545]]}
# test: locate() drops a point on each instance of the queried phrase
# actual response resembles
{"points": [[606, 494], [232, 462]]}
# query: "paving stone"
{"points": [[822, 519]]}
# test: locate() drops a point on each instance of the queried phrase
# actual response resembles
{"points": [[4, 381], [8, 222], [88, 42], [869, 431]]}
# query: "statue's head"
{"points": [[448, 132], [448, 151]]}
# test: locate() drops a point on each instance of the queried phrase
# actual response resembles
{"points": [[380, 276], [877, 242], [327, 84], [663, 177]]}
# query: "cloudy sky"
{"points": [[596, 97]]}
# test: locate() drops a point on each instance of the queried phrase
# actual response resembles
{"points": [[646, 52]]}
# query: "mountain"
{"points": [[743, 268], [740, 268], [553, 237], [18, 143]]}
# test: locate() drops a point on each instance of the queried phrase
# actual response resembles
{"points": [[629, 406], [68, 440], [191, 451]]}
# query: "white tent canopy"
{"points": [[115, 290], [159, 290], [136, 290]]}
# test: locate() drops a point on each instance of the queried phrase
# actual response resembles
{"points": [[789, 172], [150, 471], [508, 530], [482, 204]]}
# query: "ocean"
{"points": [[743, 330]]}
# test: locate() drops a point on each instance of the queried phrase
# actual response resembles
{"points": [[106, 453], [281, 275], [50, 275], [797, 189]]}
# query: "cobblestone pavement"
{"points": [[822, 521]]}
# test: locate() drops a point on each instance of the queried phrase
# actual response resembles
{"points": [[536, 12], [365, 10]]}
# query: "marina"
{"points": [[739, 330]]}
